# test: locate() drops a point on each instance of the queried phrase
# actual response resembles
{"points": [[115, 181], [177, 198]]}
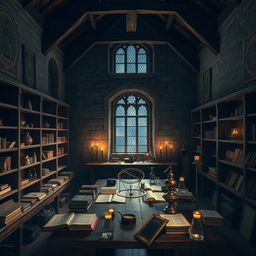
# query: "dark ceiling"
{"points": [[77, 25]]}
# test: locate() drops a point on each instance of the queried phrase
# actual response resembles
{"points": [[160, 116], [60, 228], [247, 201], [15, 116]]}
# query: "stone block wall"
{"points": [[30, 34]]}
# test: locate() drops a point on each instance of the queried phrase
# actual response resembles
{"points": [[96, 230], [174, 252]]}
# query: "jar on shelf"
{"points": [[28, 140], [182, 185]]}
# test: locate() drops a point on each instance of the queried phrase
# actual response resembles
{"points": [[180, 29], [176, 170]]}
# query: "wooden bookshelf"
{"points": [[24, 110], [224, 137]]}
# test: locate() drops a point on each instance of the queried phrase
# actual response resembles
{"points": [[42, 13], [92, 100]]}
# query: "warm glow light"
{"points": [[196, 158], [197, 214], [108, 215], [92, 144], [161, 147], [111, 210], [195, 235], [234, 131], [166, 142], [102, 149], [182, 179]]}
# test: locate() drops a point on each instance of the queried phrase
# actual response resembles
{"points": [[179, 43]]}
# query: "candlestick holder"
{"points": [[170, 196]]}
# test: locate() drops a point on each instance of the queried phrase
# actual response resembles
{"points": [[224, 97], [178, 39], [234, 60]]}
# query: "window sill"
{"points": [[148, 75]]}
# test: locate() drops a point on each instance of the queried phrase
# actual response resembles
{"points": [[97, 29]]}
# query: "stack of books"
{"points": [[108, 190], [177, 225], [70, 174], [4, 188], [9, 211], [186, 201], [80, 203], [89, 190], [47, 188], [211, 218], [34, 195], [58, 181]]}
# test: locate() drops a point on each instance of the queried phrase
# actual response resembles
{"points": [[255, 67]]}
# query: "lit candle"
{"points": [[171, 148], [92, 145], [97, 151], [161, 152], [166, 150], [111, 210], [102, 153], [196, 158], [196, 236]]}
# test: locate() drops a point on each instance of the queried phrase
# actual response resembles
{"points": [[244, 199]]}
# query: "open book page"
{"points": [[159, 196], [118, 199], [103, 199], [59, 221], [176, 220], [153, 188], [149, 196], [83, 220]]}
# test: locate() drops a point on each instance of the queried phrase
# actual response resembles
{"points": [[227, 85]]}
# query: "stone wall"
{"points": [[228, 65], [172, 86], [30, 34]]}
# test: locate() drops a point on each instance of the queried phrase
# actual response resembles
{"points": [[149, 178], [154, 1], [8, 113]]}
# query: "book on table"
{"points": [[80, 203], [110, 199], [186, 195], [153, 196], [211, 218], [153, 188], [177, 224], [72, 221], [108, 190]]}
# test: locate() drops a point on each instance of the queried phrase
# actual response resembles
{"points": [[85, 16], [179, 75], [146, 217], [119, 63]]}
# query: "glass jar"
{"points": [[152, 176], [107, 227], [196, 230]]}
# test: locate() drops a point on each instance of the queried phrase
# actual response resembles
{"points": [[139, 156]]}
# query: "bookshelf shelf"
{"points": [[8, 172], [13, 191], [29, 111], [231, 164], [232, 141], [29, 184], [211, 140], [234, 161]]}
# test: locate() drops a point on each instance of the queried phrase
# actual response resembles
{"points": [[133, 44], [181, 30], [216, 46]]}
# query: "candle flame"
{"points": [[161, 147]]}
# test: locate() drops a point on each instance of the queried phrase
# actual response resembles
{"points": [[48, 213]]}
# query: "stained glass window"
{"points": [[130, 58], [131, 124]]}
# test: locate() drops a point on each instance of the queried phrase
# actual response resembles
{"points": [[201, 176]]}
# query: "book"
{"points": [[3, 186], [9, 210], [90, 187], [110, 199], [153, 188], [153, 196], [108, 190], [72, 221], [211, 218], [6, 190], [35, 195], [177, 224], [184, 195]]}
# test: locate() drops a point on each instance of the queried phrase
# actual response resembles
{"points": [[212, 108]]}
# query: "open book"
{"points": [[153, 196], [177, 223], [72, 221], [110, 199], [153, 188]]}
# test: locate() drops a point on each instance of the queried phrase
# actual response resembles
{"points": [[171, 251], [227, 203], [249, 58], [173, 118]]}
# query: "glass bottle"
{"points": [[182, 185], [108, 226], [152, 176], [30, 176], [196, 230], [34, 175]]}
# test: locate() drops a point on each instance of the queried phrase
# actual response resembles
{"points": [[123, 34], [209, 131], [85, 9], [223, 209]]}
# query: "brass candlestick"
{"points": [[170, 196]]}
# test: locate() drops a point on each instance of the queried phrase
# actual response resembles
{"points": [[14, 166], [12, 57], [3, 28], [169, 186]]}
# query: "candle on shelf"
{"points": [[92, 145], [97, 151], [171, 149], [166, 150], [161, 152], [102, 153]]}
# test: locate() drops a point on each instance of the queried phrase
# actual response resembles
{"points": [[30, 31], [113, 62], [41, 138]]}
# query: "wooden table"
{"points": [[124, 237], [98, 168]]}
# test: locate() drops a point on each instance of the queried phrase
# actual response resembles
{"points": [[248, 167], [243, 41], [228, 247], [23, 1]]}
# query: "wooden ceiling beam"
{"points": [[131, 21], [181, 46], [92, 21], [169, 22], [206, 31]]}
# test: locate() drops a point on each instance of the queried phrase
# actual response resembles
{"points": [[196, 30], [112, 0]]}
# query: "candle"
{"points": [[171, 148], [102, 153], [161, 152], [92, 145], [97, 151], [166, 150], [111, 210], [196, 236]]}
